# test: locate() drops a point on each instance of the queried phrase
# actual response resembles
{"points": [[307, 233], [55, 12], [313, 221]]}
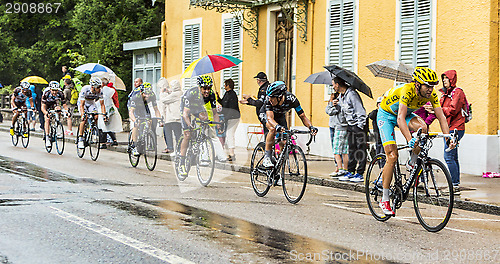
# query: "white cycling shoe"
{"points": [[267, 162]]}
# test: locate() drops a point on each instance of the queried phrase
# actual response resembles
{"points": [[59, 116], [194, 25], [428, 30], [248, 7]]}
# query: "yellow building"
{"points": [[289, 40]]}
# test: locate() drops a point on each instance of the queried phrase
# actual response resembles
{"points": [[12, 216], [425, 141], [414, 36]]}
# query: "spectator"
{"points": [[355, 114], [452, 103], [376, 133], [114, 123], [38, 105], [338, 134], [71, 97], [65, 72], [261, 96], [31, 113], [170, 101], [231, 112]]}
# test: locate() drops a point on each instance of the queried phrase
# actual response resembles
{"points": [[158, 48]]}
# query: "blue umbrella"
{"points": [[90, 68], [1, 85]]}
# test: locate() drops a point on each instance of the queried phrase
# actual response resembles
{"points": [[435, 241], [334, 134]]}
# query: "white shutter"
{"points": [[231, 46], [191, 50], [415, 32]]}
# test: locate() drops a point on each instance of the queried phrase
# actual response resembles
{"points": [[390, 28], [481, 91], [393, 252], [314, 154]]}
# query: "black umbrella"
{"points": [[323, 77], [350, 78]]}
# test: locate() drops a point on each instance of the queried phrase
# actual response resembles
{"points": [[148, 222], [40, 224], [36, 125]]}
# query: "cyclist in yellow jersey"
{"points": [[396, 109]]}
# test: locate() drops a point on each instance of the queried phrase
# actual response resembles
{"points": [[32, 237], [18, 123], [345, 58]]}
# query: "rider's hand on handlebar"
{"points": [[412, 142], [313, 130], [279, 128]]}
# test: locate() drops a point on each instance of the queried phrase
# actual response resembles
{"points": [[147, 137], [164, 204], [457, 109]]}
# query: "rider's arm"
{"points": [[186, 115], [103, 108], [80, 109], [442, 120], [270, 118], [44, 109], [12, 101], [305, 120], [31, 103], [403, 109], [157, 112]]}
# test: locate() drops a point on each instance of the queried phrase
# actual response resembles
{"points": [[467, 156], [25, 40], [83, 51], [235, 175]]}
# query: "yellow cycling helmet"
{"points": [[424, 75]]}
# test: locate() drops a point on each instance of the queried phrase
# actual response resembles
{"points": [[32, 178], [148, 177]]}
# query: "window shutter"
{"points": [[191, 50], [415, 32], [231, 46]]}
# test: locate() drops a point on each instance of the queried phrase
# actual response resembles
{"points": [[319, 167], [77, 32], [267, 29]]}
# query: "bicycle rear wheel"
{"points": [[134, 160], [59, 137], [80, 152], [150, 150], [205, 163], [17, 131], [94, 141], [25, 137], [373, 187], [433, 196], [294, 174], [258, 175]]}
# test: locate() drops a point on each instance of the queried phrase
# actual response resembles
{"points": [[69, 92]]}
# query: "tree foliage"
{"points": [[82, 31]]}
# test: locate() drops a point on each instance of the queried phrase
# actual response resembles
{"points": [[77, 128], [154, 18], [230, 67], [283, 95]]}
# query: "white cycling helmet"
{"points": [[95, 81], [25, 85], [53, 85]]}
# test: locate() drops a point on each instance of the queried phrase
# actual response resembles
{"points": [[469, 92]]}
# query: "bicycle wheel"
{"points": [[17, 131], [433, 196], [294, 174], [25, 138], [80, 152], [258, 175], [59, 137], [94, 141], [134, 160], [373, 187], [150, 149], [205, 163]]}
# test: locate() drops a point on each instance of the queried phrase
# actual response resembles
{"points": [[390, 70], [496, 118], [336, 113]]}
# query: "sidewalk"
{"points": [[477, 193]]}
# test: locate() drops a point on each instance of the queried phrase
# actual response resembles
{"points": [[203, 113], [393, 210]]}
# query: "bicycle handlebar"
{"points": [[296, 131]]}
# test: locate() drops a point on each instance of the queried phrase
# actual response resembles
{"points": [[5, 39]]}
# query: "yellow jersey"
{"points": [[405, 94]]}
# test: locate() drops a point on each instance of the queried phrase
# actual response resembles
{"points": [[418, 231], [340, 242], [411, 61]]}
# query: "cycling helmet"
{"points": [[205, 81], [95, 81], [25, 85], [147, 88], [53, 85], [424, 75], [276, 89]]}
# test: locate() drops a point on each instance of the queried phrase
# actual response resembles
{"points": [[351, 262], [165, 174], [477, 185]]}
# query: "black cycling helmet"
{"points": [[276, 89]]}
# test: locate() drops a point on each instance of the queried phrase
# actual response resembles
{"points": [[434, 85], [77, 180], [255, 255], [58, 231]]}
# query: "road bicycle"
{"points": [[431, 182], [56, 131], [200, 152], [91, 136], [146, 143], [291, 167], [21, 128]]}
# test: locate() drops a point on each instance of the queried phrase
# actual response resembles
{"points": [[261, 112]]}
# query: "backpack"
{"points": [[467, 109]]}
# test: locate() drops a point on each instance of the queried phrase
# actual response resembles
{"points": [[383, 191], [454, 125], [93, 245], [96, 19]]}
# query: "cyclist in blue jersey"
{"points": [[273, 114]]}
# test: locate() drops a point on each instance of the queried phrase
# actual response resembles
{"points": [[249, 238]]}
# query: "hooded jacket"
{"points": [[170, 102], [452, 107]]}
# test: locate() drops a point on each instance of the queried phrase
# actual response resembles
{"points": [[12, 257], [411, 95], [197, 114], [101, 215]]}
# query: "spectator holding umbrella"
{"points": [[232, 115]]}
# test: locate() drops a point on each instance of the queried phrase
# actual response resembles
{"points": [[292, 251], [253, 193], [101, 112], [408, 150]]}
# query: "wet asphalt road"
{"points": [[62, 209]]}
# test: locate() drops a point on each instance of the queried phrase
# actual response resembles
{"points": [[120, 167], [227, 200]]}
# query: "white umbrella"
{"points": [[117, 82], [392, 70], [89, 68]]}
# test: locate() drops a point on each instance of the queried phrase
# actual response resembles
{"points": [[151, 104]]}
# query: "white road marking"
{"points": [[460, 219], [246, 187], [339, 206], [131, 242], [460, 230]]}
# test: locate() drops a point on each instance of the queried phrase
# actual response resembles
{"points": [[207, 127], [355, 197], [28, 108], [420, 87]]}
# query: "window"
{"points": [[191, 50], [158, 58], [150, 58], [139, 74], [415, 32], [231, 41], [341, 36], [139, 59]]}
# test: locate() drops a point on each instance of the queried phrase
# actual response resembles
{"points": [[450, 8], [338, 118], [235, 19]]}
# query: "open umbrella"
{"points": [[209, 64], [90, 68], [351, 78], [35, 79], [323, 77], [117, 82], [392, 70], [1, 85]]}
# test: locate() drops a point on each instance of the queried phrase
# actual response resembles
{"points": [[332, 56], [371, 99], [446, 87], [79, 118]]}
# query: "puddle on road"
{"points": [[245, 238], [38, 173]]}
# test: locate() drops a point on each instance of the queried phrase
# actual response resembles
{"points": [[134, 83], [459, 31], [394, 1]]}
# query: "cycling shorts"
{"points": [[386, 123]]}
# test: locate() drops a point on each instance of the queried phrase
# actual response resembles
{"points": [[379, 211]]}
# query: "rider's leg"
{"points": [[391, 151], [270, 138], [185, 143], [415, 124], [47, 125]]}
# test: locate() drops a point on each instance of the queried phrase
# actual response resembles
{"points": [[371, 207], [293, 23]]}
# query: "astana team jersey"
{"points": [[406, 94]]}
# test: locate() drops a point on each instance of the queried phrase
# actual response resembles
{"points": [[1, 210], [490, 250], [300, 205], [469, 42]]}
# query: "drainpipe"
{"points": [[312, 61], [163, 48]]}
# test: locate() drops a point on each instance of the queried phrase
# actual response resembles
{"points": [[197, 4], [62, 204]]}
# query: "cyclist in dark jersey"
{"points": [[18, 101], [87, 104], [273, 114], [52, 99]]}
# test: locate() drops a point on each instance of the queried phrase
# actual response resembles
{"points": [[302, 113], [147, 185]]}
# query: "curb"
{"points": [[459, 204]]}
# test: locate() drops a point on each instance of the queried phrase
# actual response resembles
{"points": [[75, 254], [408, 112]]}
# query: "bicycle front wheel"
{"points": [[150, 150], [94, 141], [205, 164], [17, 131], [433, 196], [134, 160], [25, 138], [59, 137], [373, 187], [258, 175], [294, 174]]}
